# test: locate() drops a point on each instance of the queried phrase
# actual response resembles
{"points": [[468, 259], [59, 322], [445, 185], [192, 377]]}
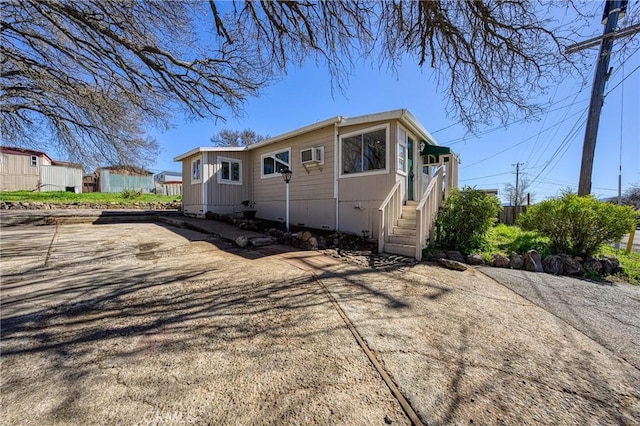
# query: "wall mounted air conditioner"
{"points": [[311, 155]]}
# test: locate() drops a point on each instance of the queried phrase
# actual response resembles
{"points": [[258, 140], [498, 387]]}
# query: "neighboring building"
{"points": [[168, 177], [27, 169], [381, 175], [118, 178], [168, 183]]}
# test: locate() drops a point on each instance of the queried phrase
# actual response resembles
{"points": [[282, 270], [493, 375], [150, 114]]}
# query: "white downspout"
{"points": [[336, 169], [205, 181]]}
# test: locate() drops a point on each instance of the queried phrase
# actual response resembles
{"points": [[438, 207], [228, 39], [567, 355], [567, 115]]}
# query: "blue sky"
{"points": [[548, 149]]}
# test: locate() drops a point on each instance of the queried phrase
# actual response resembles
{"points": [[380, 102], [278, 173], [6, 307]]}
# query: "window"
{"points": [[402, 158], [402, 150], [196, 170], [34, 161], [274, 162], [229, 171], [364, 152]]}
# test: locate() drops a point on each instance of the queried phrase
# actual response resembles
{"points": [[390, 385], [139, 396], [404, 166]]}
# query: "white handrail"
{"points": [[427, 209], [388, 215]]}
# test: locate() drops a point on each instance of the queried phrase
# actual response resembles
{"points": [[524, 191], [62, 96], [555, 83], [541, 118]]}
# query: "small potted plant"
{"points": [[250, 212]]}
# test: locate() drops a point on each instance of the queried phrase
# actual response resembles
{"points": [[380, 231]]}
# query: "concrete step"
{"points": [[413, 203], [406, 223], [402, 239], [401, 249], [409, 214], [404, 231]]}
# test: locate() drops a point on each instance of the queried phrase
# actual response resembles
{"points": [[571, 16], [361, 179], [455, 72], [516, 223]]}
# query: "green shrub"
{"points": [[464, 220], [130, 194], [578, 225]]}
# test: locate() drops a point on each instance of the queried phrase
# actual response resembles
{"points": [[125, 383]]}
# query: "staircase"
{"points": [[402, 238]]}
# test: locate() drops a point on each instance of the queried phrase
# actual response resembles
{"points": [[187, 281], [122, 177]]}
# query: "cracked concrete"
{"points": [[151, 324]]}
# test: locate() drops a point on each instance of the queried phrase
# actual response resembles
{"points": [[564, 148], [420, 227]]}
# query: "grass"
{"points": [[505, 239], [60, 197]]}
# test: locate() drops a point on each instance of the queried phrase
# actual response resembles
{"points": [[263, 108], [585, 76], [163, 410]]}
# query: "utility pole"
{"points": [[613, 8], [516, 197]]}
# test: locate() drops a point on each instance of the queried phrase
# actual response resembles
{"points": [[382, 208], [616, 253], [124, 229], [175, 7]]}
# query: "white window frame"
{"points": [[273, 154], [386, 151], [229, 181], [197, 179], [33, 161]]}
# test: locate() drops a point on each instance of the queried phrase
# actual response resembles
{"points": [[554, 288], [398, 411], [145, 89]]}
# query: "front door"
{"points": [[410, 174]]}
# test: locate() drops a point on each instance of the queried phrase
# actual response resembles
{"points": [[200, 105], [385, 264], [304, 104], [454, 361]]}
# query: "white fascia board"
{"points": [[370, 118], [296, 132], [210, 149], [403, 115], [410, 121]]}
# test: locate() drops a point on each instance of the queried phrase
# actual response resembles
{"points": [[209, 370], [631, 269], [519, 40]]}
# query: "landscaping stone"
{"points": [[434, 257], [553, 264], [593, 265], [453, 264], [500, 261], [475, 259], [456, 256], [515, 260], [571, 266], [242, 241], [607, 266], [532, 261]]}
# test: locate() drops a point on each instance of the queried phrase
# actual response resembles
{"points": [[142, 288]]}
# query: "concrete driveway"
{"points": [[152, 324]]}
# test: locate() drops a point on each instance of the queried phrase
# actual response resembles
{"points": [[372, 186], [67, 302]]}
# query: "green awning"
{"points": [[432, 153]]}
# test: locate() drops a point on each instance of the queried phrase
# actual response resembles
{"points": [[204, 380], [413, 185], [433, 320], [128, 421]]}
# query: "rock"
{"points": [[533, 262], [515, 261], [241, 241], [456, 256], [475, 259], [452, 264], [500, 261], [434, 257], [553, 264], [592, 265], [313, 242], [606, 265], [571, 266], [305, 236], [261, 241]]}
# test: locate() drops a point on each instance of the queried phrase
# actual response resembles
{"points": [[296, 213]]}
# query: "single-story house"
{"points": [[167, 176], [28, 169], [380, 175]]}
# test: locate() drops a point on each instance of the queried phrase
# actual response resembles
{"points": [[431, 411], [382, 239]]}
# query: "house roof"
{"points": [[132, 169], [23, 151], [403, 115]]}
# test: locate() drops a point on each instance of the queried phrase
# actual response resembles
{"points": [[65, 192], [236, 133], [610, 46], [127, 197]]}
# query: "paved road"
{"points": [[607, 313]]}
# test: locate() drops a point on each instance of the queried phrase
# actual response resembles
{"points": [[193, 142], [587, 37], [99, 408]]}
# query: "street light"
{"points": [[286, 175]]}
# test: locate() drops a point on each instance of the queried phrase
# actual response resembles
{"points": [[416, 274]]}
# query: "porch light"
{"points": [[286, 175]]}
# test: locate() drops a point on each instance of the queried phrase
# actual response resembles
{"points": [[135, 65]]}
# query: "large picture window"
{"points": [[274, 162], [196, 170], [229, 171], [364, 152]]}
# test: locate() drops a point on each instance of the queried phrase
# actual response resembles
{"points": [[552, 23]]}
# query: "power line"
{"points": [[521, 142]]}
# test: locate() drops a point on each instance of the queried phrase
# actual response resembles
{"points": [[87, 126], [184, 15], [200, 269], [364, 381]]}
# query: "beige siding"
{"points": [[361, 196], [17, 173], [226, 198], [192, 197], [312, 200]]}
